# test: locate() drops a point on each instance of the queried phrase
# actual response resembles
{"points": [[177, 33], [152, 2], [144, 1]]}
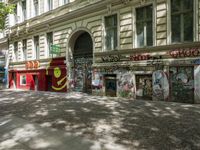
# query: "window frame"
{"points": [[16, 20], [47, 45], [21, 80], [15, 51], [104, 32], [24, 13], [34, 8], [153, 3], [36, 53], [24, 49], [48, 5], [195, 23]]}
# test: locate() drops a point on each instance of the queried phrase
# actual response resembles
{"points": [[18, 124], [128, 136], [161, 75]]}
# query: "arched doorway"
{"points": [[82, 60]]}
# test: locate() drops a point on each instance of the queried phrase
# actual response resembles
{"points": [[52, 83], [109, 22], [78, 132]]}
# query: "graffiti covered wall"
{"points": [[97, 83], [182, 84], [126, 85], [160, 85], [197, 83]]}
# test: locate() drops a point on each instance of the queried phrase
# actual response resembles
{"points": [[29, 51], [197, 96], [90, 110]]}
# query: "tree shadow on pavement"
{"points": [[110, 123]]}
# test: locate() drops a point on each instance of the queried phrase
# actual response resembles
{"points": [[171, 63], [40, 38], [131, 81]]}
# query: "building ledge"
{"points": [[149, 49]]}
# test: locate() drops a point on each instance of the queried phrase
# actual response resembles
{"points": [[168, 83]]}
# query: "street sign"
{"points": [[55, 49]]}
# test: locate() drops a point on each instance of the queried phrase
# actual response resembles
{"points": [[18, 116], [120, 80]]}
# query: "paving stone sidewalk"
{"points": [[96, 123]]}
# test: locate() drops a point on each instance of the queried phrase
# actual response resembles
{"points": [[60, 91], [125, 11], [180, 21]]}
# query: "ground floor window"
{"points": [[23, 80]]}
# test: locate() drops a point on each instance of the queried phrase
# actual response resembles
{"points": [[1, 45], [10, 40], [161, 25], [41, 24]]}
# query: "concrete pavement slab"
{"points": [[108, 123], [17, 133]]}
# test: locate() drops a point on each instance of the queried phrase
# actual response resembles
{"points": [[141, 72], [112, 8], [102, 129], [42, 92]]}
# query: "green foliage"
{"points": [[5, 9]]}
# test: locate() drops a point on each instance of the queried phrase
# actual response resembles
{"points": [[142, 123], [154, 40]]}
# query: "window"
{"points": [[24, 10], [15, 14], [50, 4], [111, 32], [49, 41], [181, 20], [23, 80], [65, 1], [16, 51], [36, 10], [144, 26], [24, 48], [36, 47]]}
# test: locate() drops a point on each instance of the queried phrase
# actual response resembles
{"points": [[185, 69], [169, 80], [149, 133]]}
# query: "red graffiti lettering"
{"points": [[140, 57], [184, 53]]}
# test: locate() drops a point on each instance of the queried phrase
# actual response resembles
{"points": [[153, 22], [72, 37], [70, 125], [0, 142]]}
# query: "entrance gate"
{"points": [[83, 58]]}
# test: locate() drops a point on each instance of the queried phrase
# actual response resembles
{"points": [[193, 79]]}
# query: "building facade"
{"points": [[141, 49], [3, 57], [3, 60]]}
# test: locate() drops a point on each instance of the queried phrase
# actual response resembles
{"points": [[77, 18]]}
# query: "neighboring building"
{"points": [[3, 58], [145, 49]]}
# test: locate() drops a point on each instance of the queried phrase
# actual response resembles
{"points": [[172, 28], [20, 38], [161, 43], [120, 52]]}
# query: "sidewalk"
{"points": [[19, 134], [77, 121]]}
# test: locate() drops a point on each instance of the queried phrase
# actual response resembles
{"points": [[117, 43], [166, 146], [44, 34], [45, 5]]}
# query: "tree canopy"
{"points": [[5, 9]]}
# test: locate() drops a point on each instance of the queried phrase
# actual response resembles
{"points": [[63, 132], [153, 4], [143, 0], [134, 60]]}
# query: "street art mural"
{"points": [[126, 87], [97, 83], [144, 86], [160, 85], [197, 83], [57, 72], [182, 84]]}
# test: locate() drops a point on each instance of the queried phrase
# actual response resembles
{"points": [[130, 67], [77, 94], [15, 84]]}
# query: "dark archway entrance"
{"points": [[83, 57]]}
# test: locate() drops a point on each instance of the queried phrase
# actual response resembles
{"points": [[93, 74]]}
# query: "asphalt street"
{"points": [[76, 121]]}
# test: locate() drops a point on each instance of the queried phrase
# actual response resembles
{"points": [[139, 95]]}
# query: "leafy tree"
{"points": [[5, 9]]}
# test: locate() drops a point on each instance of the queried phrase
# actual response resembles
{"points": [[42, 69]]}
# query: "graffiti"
{"points": [[196, 61], [193, 52], [197, 83], [97, 82], [137, 57], [144, 86], [82, 74], [57, 74], [111, 58], [156, 59], [126, 86], [32, 64], [108, 70], [59, 78], [160, 85], [182, 81]]}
